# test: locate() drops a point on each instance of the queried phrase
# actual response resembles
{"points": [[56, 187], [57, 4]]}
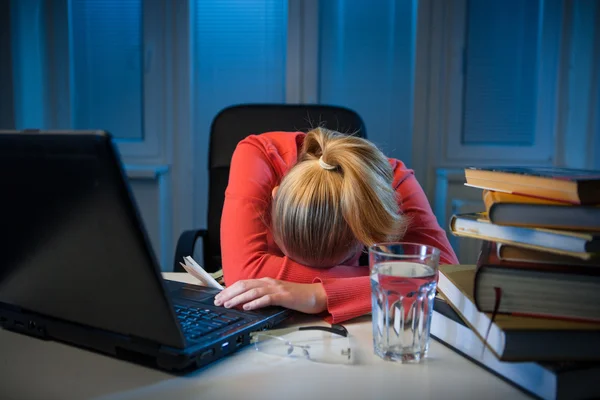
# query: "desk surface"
{"points": [[36, 369]]}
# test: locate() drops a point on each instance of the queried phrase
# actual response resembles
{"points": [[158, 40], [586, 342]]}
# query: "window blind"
{"points": [[7, 117], [106, 41], [239, 54], [365, 63], [500, 72]]}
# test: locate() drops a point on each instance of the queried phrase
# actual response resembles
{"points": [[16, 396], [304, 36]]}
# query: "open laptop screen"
{"points": [[72, 245]]}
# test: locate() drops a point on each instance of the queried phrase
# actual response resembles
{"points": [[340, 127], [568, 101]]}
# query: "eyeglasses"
{"points": [[324, 344]]}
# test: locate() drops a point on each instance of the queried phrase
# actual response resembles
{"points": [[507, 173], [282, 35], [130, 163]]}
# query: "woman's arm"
{"points": [[245, 247], [342, 298]]}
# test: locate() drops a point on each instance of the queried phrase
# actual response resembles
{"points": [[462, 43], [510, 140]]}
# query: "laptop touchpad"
{"points": [[195, 293]]}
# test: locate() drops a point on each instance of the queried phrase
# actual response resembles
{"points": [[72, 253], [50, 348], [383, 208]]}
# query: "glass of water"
{"points": [[403, 282]]}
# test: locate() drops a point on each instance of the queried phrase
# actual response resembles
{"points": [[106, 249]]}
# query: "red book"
{"points": [[536, 289]]}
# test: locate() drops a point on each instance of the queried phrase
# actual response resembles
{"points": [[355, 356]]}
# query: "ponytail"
{"points": [[338, 196]]}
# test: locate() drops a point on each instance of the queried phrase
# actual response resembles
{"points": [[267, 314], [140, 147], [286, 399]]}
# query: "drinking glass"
{"points": [[403, 283]]}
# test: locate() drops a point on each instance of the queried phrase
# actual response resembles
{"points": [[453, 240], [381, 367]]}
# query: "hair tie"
{"points": [[324, 165]]}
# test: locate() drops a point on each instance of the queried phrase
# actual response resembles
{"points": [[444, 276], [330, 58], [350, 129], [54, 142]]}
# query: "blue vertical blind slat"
{"points": [[107, 68], [240, 54], [27, 28], [365, 58], [501, 72], [354, 36]]}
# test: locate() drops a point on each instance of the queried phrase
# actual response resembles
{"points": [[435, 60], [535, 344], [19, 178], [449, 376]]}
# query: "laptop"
{"points": [[76, 264]]}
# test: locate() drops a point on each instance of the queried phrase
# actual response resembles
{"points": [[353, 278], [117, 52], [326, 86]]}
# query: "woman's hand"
{"points": [[308, 298]]}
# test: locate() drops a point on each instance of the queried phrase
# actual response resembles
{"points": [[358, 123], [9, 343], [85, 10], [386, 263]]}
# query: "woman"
{"points": [[300, 209]]}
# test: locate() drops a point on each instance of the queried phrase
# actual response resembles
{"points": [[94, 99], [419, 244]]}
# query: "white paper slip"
{"points": [[199, 273]]}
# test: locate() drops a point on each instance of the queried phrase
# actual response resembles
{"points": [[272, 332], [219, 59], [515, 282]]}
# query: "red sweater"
{"points": [[249, 252]]}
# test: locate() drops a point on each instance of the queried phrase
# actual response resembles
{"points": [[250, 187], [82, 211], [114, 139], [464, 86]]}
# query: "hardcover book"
{"points": [[536, 289], [516, 210], [518, 338], [507, 252], [545, 380], [584, 244], [573, 186]]}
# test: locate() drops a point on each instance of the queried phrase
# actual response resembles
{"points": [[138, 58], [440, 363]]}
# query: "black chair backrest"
{"points": [[235, 123]]}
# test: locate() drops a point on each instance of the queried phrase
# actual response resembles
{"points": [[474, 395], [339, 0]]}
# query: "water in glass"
{"points": [[402, 300]]}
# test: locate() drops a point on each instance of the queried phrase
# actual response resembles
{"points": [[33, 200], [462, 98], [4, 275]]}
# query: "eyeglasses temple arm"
{"points": [[335, 329]]}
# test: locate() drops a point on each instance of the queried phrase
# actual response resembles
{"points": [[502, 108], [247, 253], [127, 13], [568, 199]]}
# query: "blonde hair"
{"points": [[338, 196]]}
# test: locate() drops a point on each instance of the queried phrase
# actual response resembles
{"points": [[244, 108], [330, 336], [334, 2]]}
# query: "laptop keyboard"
{"points": [[197, 321]]}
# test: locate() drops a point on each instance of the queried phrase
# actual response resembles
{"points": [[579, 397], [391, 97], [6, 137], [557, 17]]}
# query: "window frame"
{"points": [[453, 47], [150, 148], [56, 87], [578, 142]]}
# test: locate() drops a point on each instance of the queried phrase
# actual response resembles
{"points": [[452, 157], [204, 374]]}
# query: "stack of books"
{"points": [[533, 299]]}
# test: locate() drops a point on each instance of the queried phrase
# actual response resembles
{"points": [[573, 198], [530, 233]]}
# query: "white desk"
{"points": [[35, 369]]}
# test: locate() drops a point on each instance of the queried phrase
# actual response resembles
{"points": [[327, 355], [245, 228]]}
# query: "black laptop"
{"points": [[76, 264]]}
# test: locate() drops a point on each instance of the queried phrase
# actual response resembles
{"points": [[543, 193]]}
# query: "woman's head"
{"points": [[337, 197]]}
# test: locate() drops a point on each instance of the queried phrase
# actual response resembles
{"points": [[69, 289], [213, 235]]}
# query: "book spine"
{"points": [[489, 201], [452, 224], [476, 280], [484, 254]]}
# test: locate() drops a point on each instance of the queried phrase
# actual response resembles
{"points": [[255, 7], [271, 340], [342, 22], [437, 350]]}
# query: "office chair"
{"points": [[228, 128]]}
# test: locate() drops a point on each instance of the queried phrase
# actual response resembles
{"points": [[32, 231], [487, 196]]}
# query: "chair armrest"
{"points": [[185, 246]]}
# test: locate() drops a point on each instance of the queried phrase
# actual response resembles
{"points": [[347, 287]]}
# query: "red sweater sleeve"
{"points": [[245, 235], [423, 226]]}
